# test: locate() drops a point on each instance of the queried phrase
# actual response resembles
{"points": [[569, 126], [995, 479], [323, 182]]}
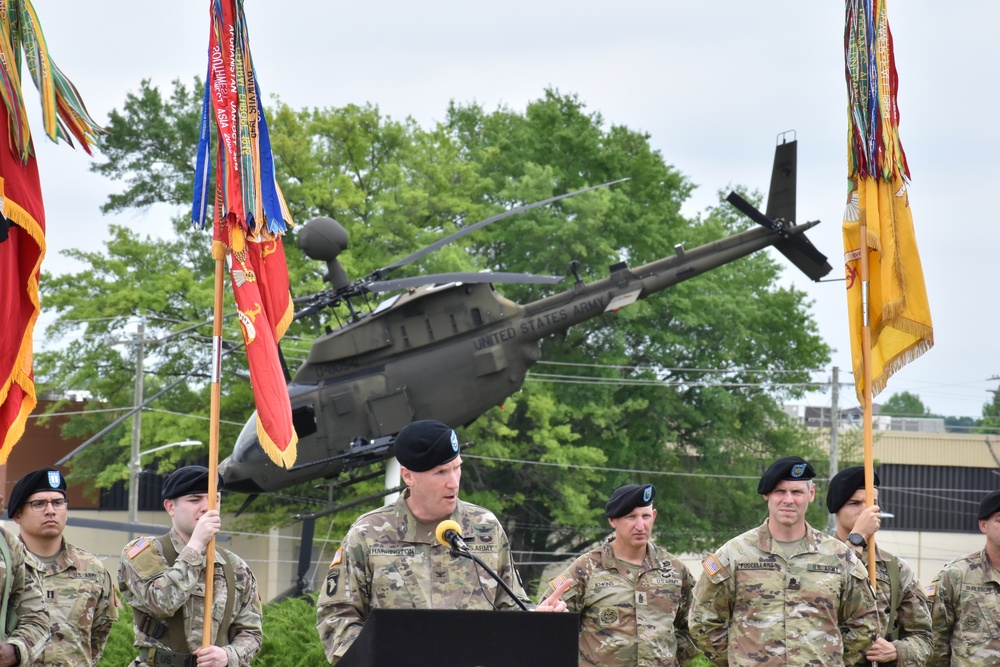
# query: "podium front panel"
{"points": [[397, 637]]}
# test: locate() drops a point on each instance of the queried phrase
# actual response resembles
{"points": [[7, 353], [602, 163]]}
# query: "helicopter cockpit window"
{"points": [[304, 420], [477, 317]]}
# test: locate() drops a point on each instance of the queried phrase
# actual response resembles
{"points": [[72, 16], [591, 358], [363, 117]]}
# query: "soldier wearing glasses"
{"points": [[79, 594]]}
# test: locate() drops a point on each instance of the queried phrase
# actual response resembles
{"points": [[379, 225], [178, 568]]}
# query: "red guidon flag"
{"points": [[22, 247], [259, 277], [22, 216], [250, 217]]}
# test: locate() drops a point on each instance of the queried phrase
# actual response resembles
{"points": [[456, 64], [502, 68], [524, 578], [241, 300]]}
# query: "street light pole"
{"points": [[135, 465]]}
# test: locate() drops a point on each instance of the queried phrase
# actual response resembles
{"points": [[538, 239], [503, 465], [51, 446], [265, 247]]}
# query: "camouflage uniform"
{"points": [[753, 606], [389, 560], [82, 606], [966, 613], [151, 587], [26, 600], [913, 616], [626, 622]]}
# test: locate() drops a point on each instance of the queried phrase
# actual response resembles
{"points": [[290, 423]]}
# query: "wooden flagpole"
{"points": [[218, 253], [866, 364]]}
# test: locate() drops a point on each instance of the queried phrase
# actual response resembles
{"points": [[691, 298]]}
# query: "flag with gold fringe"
{"points": [[22, 214], [250, 215], [900, 318]]}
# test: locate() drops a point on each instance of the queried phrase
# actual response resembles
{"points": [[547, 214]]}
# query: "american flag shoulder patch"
{"points": [[930, 590], [557, 582], [712, 565], [137, 548], [337, 557]]}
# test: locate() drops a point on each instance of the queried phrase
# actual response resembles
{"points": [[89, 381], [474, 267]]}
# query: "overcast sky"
{"points": [[712, 82]]}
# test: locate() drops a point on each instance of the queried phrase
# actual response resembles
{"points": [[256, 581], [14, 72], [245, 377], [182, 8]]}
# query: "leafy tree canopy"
{"points": [[682, 389], [905, 404]]}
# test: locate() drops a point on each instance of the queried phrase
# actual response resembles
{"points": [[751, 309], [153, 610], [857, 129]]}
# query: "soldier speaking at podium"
{"points": [[392, 559]]}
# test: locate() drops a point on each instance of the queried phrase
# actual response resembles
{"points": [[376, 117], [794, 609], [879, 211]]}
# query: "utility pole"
{"points": [[834, 421], [831, 522], [133, 463]]}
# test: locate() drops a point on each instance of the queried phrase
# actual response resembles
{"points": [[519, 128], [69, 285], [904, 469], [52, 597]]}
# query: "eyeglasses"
{"points": [[39, 505]]}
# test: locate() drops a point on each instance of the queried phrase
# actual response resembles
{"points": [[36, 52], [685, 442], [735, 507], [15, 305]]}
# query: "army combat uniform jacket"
{"points": [[26, 600], [159, 591], [82, 606], [752, 606], [913, 614], [388, 560], [966, 613], [630, 619]]}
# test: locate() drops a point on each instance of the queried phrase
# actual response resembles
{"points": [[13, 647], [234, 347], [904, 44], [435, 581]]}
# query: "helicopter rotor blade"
{"points": [[482, 223], [470, 277]]}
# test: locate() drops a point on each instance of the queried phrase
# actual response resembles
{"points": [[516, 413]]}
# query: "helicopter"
{"points": [[364, 381]]}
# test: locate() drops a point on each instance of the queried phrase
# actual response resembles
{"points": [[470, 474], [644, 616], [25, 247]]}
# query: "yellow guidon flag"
{"points": [[878, 202], [900, 318]]}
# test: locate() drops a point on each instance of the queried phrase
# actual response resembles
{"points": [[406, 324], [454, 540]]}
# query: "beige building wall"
{"points": [[272, 557]]}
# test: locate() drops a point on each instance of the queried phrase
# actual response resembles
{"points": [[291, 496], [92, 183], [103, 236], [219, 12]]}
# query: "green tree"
{"points": [[684, 387], [991, 413], [960, 424], [904, 404]]}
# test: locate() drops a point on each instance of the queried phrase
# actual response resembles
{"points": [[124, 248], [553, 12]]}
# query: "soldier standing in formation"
{"points": [[79, 595], [163, 578], [784, 593], [392, 559], [904, 614], [24, 620], [633, 596], [966, 600]]}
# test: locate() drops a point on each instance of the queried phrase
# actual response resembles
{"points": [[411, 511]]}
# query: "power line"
{"points": [[604, 469], [624, 382], [187, 414], [680, 369]]}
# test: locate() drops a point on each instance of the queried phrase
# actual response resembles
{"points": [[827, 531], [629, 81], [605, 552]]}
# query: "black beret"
{"points": [[187, 481], [794, 468], [627, 498], [425, 444], [46, 479], [990, 505], [844, 484]]}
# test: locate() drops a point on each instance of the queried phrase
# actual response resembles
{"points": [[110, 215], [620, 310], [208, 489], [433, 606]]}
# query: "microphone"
{"points": [[449, 533]]}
